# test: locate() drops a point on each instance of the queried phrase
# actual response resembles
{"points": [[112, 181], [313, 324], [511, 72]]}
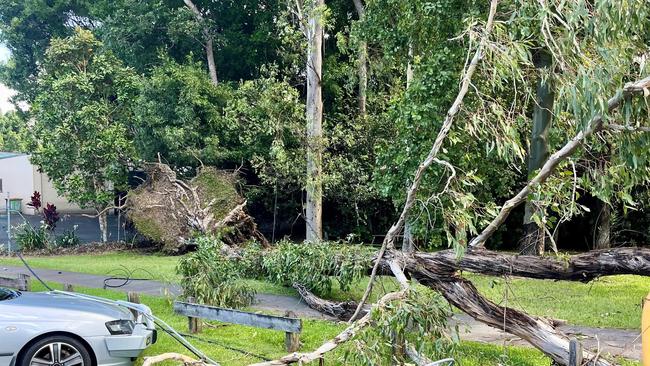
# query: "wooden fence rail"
{"points": [[291, 326], [20, 282]]}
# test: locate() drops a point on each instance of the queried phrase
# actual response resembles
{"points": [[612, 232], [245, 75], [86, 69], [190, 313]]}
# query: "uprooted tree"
{"points": [[171, 211]]}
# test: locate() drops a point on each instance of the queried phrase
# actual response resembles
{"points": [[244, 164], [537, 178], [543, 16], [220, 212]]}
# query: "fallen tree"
{"points": [[439, 270], [169, 210]]}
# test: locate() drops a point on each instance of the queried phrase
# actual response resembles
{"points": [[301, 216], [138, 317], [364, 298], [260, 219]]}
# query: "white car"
{"points": [[59, 329]]}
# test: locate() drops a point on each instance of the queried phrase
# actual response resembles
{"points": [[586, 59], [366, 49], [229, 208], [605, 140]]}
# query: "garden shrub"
{"points": [[212, 278], [68, 239], [30, 238], [316, 266]]}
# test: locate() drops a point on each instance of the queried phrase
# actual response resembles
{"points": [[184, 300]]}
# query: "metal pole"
{"points": [[8, 223]]}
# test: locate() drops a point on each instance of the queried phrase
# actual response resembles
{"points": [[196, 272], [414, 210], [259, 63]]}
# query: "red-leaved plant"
{"points": [[35, 201], [50, 216]]}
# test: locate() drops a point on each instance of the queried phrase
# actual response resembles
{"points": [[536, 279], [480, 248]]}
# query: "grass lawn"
{"points": [[270, 344], [613, 301]]}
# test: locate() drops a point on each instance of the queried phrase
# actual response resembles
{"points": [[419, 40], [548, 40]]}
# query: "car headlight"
{"points": [[117, 327]]}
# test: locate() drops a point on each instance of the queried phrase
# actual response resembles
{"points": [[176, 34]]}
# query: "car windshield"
{"points": [[7, 294]]}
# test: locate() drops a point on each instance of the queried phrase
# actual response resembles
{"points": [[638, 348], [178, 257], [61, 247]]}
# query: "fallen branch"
{"points": [[411, 194], [617, 127], [149, 361], [582, 267], [340, 310], [538, 332], [558, 157], [344, 336]]}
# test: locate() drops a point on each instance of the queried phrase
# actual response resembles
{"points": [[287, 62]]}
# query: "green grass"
{"points": [[270, 344], [613, 301], [161, 267]]}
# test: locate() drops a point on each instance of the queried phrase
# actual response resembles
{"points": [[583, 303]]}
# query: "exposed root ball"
{"points": [[169, 211]]}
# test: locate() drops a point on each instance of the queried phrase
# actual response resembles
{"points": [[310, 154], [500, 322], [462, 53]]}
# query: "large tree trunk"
{"points": [[534, 240], [603, 227], [439, 271], [363, 63], [209, 51], [314, 201], [103, 225], [212, 67]]}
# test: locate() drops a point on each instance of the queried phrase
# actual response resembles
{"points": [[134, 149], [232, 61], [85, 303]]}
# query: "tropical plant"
{"points": [[30, 238], [68, 239]]}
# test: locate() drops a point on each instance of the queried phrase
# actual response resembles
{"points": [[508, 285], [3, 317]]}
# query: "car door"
{"points": [[10, 338]]}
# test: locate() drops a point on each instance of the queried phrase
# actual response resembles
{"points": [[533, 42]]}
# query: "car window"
{"points": [[7, 294]]}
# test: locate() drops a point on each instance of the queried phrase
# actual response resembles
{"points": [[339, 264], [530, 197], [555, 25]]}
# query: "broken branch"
{"points": [[554, 160]]}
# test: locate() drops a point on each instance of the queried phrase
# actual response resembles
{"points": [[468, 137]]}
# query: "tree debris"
{"points": [[169, 210], [340, 310]]}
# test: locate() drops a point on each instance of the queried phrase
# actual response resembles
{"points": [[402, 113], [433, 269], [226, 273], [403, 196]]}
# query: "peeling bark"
{"points": [[314, 116], [538, 332], [582, 267], [340, 310]]}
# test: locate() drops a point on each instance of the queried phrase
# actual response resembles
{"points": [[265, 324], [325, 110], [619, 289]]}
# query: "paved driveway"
{"points": [[87, 227]]}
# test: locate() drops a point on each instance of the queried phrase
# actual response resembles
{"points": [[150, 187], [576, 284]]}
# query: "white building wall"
{"points": [[17, 179], [44, 185], [21, 179]]}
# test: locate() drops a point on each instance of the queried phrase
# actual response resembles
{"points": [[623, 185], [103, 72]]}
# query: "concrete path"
{"points": [[617, 342], [264, 302]]}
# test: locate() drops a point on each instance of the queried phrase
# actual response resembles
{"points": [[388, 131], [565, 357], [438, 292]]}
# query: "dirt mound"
{"points": [[171, 211]]}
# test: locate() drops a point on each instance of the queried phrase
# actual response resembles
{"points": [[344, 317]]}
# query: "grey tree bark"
{"points": [[209, 51], [603, 227], [314, 200], [363, 63], [103, 225], [534, 240]]}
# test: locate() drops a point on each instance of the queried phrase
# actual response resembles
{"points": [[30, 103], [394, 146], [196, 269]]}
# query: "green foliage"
{"points": [[68, 239], [420, 321], [82, 115], [212, 278], [15, 134], [26, 28], [30, 238], [317, 266]]}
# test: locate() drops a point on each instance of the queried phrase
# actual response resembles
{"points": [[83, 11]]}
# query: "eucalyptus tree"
{"points": [[82, 114], [601, 88], [310, 17]]}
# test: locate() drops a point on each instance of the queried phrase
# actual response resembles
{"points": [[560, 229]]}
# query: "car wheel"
{"points": [[56, 351]]}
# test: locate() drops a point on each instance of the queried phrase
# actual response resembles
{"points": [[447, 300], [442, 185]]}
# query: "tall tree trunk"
{"points": [[534, 239], [407, 240], [314, 209], [363, 64], [103, 225], [603, 227], [209, 51], [212, 67]]}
